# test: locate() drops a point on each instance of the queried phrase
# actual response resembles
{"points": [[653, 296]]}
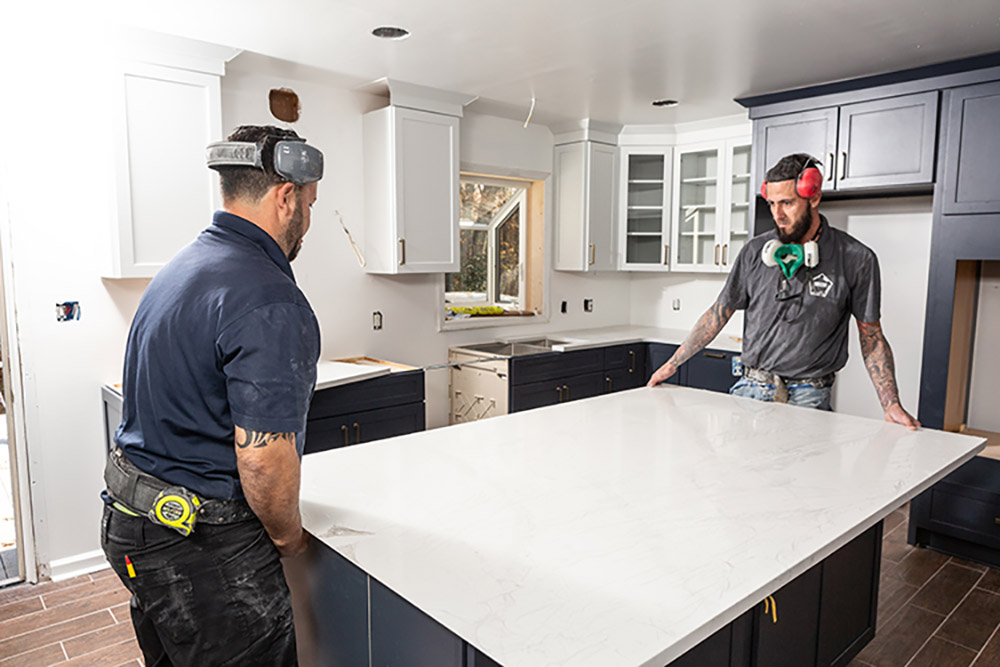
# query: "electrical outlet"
{"points": [[377, 320], [588, 305], [677, 304]]}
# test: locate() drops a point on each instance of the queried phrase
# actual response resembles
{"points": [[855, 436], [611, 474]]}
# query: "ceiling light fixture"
{"points": [[391, 32], [665, 103]]}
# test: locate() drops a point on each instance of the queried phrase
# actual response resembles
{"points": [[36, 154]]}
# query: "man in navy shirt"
{"points": [[203, 488]]}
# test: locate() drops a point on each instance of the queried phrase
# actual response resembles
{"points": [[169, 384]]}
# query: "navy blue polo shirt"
{"points": [[222, 336]]}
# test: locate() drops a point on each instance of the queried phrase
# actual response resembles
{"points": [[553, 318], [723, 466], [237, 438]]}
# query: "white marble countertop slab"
{"points": [[335, 373], [618, 530], [582, 339]]}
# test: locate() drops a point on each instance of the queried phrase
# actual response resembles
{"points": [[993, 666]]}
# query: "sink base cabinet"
{"points": [[824, 617], [364, 411]]}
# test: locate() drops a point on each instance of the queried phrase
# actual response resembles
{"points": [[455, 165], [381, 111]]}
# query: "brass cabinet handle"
{"points": [[559, 389], [997, 520], [831, 167], [772, 608], [357, 433], [608, 380], [716, 254], [567, 391], [347, 441], [591, 253], [843, 165], [666, 253], [402, 251], [715, 355], [725, 254], [631, 354]]}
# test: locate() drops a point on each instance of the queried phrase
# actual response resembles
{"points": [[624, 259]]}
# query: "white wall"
{"points": [[899, 231], [985, 381], [653, 297]]}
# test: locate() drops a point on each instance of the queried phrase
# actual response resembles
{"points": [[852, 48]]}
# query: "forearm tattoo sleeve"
{"points": [[878, 359], [703, 333]]}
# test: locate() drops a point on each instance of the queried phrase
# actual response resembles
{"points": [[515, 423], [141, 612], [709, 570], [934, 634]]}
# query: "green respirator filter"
{"points": [[790, 257]]}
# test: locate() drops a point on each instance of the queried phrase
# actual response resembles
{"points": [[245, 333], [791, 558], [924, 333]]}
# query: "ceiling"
{"points": [[599, 59]]}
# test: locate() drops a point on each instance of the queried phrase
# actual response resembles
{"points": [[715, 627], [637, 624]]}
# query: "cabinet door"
{"points": [[712, 370], [555, 365], [698, 207], [812, 132], [659, 354], [367, 426], [887, 142], [728, 647], [971, 176], [536, 395], [738, 198], [624, 367], [601, 246], [166, 117], [786, 624], [583, 386], [426, 175], [585, 207], [644, 208]]}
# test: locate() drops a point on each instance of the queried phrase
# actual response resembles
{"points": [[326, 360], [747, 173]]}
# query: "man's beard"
{"points": [[295, 231], [798, 229]]}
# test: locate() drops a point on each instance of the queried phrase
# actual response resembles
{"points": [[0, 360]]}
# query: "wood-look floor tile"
{"points": [[919, 566], [991, 581], [102, 574], [20, 608], [974, 621], [40, 657], [22, 591], [85, 589], [894, 546], [969, 564], [98, 639], [893, 594], [111, 656], [44, 635], [990, 655], [893, 521], [122, 613], [901, 638], [940, 653], [39, 619], [946, 588], [131, 663]]}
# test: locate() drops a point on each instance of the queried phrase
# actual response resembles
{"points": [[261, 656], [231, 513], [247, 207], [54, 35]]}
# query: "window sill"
{"points": [[486, 321]]}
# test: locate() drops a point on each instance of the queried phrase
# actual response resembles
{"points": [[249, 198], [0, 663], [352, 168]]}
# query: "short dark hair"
{"points": [[250, 183], [789, 167]]}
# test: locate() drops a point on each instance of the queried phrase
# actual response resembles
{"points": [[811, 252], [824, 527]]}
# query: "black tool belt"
{"points": [[141, 494], [781, 384]]}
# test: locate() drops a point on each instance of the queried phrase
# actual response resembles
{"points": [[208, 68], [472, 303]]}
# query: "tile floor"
{"points": [[933, 611]]}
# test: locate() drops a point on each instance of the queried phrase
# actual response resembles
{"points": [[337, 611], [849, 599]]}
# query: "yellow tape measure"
{"points": [[177, 508]]}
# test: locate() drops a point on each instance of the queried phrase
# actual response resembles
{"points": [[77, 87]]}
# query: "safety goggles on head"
{"points": [[294, 159]]}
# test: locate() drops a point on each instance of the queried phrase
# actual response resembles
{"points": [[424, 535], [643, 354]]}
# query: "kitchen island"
{"points": [[623, 529]]}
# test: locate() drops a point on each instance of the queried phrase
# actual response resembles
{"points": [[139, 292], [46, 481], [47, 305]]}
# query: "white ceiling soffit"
{"points": [[600, 59]]}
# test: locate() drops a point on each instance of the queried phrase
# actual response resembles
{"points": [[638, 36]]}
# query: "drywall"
{"points": [[984, 384]]}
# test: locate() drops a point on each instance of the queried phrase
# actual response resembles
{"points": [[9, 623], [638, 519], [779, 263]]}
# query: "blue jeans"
{"points": [[803, 395]]}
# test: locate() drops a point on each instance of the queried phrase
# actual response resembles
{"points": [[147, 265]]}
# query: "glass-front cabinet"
{"points": [[711, 204], [644, 208]]}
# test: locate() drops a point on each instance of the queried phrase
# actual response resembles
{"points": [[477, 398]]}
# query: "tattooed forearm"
{"points": [[704, 332], [878, 358], [250, 438]]}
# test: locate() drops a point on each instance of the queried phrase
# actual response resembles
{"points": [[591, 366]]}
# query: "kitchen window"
{"points": [[498, 275]]}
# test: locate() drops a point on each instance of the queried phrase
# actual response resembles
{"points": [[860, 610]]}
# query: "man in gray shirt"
{"points": [[799, 285]]}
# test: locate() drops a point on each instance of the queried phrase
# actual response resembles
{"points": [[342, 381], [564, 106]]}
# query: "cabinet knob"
{"points": [[343, 428]]}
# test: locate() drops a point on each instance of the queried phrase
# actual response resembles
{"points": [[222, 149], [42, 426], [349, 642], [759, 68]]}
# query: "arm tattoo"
{"points": [[256, 439], [704, 332], [878, 358]]}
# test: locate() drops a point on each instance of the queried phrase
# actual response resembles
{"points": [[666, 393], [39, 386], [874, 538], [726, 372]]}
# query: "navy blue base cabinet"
{"points": [[364, 411], [709, 369]]}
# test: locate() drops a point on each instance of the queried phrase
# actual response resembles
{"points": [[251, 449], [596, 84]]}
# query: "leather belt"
{"points": [[144, 495], [781, 384]]}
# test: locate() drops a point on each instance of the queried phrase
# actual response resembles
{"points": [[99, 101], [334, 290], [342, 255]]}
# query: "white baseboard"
{"points": [[85, 563]]}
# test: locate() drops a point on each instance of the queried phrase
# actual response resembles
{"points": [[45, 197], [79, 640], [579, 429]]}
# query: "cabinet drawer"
{"points": [[367, 426], [951, 510], [555, 365], [558, 390], [380, 392], [712, 370], [630, 358]]}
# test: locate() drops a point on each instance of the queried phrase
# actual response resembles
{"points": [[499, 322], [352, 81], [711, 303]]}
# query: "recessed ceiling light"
{"points": [[665, 103], [390, 32]]}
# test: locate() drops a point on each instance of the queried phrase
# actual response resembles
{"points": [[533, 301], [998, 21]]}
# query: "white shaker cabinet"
{"points": [[411, 191], [644, 208], [585, 173], [165, 195]]}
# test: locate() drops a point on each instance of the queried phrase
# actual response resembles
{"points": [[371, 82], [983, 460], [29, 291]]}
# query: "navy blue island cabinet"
{"points": [[823, 617]]}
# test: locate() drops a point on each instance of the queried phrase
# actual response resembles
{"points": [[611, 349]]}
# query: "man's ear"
{"points": [[284, 198], [814, 200]]}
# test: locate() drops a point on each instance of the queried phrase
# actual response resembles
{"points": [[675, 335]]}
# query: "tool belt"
{"points": [[141, 494], [781, 384]]}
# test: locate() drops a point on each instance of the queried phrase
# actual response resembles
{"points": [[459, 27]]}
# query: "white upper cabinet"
{"points": [[644, 208], [585, 174], [165, 194], [711, 204], [411, 191]]}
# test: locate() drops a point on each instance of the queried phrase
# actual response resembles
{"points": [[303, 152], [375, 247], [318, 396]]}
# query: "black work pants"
{"points": [[217, 597]]}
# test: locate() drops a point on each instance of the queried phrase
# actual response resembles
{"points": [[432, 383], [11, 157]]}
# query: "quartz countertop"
{"points": [[582, 339], [617, 530]]}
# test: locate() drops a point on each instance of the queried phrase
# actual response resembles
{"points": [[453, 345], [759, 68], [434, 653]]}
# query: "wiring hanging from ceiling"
{"points": [[357, 251], [530, 111]]}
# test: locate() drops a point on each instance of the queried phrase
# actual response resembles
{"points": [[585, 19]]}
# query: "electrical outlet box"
{"points": [[377, 320], [563, 307], [677, 304], [588, 305]]}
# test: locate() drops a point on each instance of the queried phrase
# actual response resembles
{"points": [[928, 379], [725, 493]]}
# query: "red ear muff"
{"points": [[809, 182], [763, 189]]}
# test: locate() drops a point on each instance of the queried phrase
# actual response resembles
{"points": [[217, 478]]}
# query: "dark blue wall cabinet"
{"points": [[364, 411], [971, 175]]}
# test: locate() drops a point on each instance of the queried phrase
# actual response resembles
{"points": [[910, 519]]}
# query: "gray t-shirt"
{"points": [[803, 334]]}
